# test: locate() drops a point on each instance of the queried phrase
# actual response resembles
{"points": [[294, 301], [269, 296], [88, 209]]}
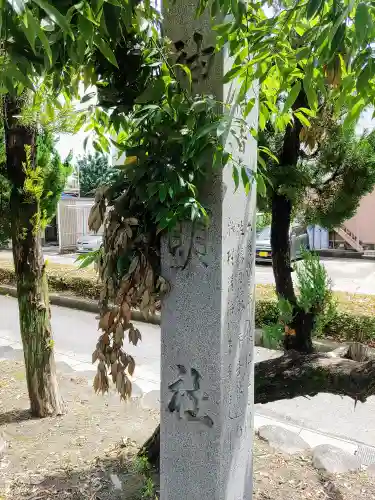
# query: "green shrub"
{"points": [[266, 313], [315, 291], [341, 326]]}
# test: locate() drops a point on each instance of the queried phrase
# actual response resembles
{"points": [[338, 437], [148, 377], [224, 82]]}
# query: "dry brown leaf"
{"points": [[131, 364], [104, 321], [132, 221], [95, 356], [113, 356], [119, 334], [126, 312], [124, 359], [128, 387], [120, 381], [101, 367], [114, 367], [96, 383], [134, 336], [145, 300], [133, 264], [128, 231], [149, 278]]}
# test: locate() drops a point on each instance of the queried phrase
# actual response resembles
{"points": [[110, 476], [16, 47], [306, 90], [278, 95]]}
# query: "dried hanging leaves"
{"points": [[128, 281]]}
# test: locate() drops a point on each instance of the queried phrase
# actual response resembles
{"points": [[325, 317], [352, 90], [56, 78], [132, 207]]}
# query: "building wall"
{"points": [[363, 223], [72, 221]]}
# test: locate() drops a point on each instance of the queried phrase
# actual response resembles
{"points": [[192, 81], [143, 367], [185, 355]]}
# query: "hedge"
{"points": [[344, 326], [66, 279]]}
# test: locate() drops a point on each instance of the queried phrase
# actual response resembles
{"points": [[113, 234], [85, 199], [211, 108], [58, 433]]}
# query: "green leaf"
{"points": [[235, 71], [337, 40], [186, 70], [87, 259], [363, 22], [302, 118], [154, 92], [269, 153], [43, 38], [162, 192], [249, 106], [207, 129], [354, 112], [245, 180], [55, 15], [364, 77], [261, 185], [261, 162], [292, 96], [313, 7], [199, 106], [262, 120], [86, 27], [235, 176], [106, 50], [18, 76], [30, 28]]}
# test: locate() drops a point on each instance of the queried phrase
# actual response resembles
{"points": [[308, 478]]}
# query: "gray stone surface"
{"points": [[371, 470], [283, 439], [207, 325], [334, 460]]}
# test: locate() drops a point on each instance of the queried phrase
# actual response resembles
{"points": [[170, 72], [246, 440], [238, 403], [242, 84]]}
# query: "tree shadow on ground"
{"points": [[15, 416], [113, 477]]}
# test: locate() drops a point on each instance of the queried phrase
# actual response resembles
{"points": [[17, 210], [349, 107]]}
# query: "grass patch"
{"points": [[353, 303]]}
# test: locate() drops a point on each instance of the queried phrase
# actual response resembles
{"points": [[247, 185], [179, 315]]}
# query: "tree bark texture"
{"points": [[32, 288], [299, 334], [295, 374]]}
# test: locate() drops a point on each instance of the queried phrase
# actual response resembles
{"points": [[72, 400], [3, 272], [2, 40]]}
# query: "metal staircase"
{"points": [[350, 238]]}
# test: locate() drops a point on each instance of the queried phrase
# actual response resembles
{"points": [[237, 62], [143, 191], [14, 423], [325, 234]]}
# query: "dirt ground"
{"points": [[89, 454]]}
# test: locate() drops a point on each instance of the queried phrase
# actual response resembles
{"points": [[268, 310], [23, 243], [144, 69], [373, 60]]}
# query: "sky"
{"points": [[75, 142], [68, 142]]}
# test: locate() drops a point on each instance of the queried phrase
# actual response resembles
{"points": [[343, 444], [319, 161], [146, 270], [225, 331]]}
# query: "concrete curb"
{"points": [[81, 304], [365, 453]]}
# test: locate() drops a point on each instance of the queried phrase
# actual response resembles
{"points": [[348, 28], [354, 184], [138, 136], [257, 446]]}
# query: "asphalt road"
{"points": [[75, 335], [347, 275]]}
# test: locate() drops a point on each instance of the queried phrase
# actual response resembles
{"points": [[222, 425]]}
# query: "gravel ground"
{"points": [[89, 454]]}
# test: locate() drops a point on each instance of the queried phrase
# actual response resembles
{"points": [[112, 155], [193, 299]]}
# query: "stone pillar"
{"points": [[208, 324]]}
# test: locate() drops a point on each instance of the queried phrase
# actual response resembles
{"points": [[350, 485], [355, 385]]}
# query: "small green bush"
{"points": [[341, 326]]}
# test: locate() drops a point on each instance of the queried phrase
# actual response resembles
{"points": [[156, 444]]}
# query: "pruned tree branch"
{"points": [[294, 374], [347, 371]]}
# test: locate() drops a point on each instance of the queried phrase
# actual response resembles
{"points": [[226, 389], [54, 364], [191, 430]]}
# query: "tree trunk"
{"points": [[32, 288], [151, 448], [299, 334]]}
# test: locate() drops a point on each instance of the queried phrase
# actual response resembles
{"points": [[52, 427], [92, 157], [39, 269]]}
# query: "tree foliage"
{"points": [[326, 185], [93, 170], [341, 174], [53, 174]]}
